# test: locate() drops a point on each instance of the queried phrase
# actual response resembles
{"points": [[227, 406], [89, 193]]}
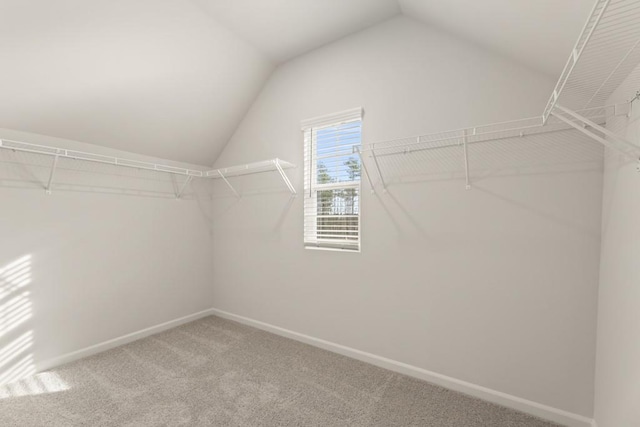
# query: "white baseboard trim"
{"points": [[537, 409], [116, 342]]}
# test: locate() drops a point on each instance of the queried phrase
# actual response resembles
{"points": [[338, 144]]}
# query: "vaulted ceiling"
{"points": [[173, 78], [537, 33], [283, 29]]}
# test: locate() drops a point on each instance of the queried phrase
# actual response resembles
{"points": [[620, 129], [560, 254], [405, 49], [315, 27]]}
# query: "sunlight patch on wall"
{"points": [[18, 346], [14, 313], [14, 276], [16, 342]]}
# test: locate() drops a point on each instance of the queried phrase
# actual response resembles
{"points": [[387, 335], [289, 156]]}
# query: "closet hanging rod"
{"points": [[473, 134], [276, 165], [95, 158], [457, 144]]}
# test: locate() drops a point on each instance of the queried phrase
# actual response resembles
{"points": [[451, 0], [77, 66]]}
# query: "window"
{"points": [[332, 181]]}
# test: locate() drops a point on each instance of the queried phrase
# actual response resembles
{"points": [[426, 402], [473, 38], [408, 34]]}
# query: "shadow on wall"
{"points": [[252, 188], [556, 154], [32, 171], [17, 365], [564, 151]]}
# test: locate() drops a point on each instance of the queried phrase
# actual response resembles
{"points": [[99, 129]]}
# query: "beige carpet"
{"points": [[214, 372]]}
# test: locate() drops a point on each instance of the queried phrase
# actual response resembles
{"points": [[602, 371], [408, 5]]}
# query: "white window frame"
{"points": [[312, 187]]}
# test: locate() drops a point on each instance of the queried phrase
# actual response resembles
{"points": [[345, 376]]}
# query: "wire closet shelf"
{"points": [[460, 140], [606, 52], [232, 171]]}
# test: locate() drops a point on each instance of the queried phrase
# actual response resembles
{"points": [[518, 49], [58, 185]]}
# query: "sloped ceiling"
{"points": [[173, 78], [284, 29], [537, 33], [155, 77]]}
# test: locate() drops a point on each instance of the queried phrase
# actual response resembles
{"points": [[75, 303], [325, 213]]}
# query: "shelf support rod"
{"points": [[375, 161], [284, 176], [587, 132], [52, 174], [184, 187], [366, 171], [228, 183], [630, 149], [466, 160]]}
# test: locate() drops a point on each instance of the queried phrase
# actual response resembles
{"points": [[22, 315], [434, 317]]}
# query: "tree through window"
{"points": [[332, 185]]}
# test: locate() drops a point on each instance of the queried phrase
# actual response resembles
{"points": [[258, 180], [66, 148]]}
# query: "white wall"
{"points": [[104, 261], [496, 286], [618, 357], [155, 77]]}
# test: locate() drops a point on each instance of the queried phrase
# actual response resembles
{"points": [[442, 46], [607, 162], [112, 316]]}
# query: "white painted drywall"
{"points": [[495, 286], [102, 262], [155, 77], [283, 29], [618, 356], [523, 30]]}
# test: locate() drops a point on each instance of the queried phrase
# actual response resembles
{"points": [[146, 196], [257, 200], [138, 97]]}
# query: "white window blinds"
{"points": [[332, 180]]}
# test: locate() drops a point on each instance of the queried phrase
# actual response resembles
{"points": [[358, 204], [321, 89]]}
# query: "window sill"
{"points": [[323, 248]]}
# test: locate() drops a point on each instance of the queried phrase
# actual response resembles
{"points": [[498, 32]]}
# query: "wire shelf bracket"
{"points": [[284, 176], [375, 162], [184, 187], [52, 174], [364, 168], [588, 127], [270, 165], [226, 181], [466, 159]]}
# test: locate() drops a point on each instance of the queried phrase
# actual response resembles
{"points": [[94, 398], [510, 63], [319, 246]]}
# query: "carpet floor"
{"points": [[215, 372]]}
